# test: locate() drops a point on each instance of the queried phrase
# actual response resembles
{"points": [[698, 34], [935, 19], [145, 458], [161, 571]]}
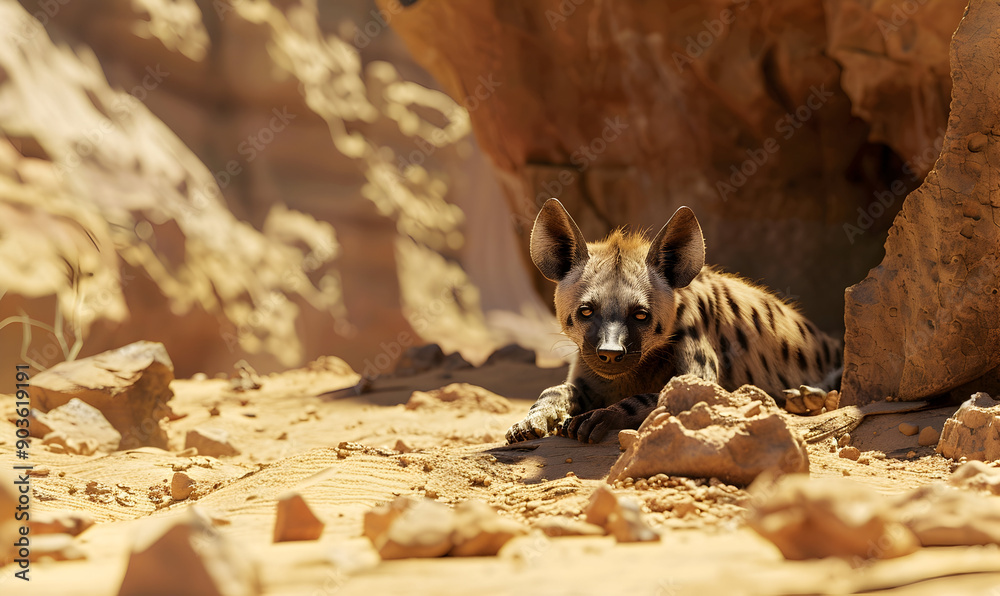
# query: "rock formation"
{"points": [[927, 319]]}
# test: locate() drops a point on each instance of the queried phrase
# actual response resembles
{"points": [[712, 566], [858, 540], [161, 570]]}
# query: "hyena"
{"points": [[641, 312]]}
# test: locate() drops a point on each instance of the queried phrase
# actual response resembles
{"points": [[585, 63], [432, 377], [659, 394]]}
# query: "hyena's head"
{"points": [[615, 298]]}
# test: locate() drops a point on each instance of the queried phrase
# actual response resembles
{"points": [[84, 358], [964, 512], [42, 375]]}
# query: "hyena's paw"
{"points": [[592, 426], [810, 401], [537, 424]]}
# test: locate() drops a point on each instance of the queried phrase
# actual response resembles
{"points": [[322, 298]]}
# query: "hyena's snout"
{"points": [[611, 344]]}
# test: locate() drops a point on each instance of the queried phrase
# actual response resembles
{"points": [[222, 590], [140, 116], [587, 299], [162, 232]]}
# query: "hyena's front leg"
{"points": [[554, 405]]}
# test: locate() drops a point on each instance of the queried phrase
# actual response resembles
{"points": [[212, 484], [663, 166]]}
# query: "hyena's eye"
{"points": [[640, 315], [585, 312]]}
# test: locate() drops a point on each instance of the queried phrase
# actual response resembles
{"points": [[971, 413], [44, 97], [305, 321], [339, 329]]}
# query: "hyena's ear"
{"points": [[557, 245], [678, 251]]}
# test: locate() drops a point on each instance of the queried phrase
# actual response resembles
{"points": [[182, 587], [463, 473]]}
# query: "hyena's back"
{"points": [[739, 333]]}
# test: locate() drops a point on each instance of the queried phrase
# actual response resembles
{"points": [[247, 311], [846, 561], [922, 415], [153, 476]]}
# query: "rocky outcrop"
{"points": [[927, 319]]}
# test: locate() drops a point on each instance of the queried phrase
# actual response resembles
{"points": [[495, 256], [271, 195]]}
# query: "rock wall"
{"points": [[780, 122], [927, 319]]}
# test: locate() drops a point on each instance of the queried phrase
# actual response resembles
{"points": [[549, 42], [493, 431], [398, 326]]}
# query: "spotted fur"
{"points": [[642, 311]]}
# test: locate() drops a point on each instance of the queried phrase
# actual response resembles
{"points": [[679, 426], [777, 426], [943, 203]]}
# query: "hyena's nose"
{"points": [[608, 352]]}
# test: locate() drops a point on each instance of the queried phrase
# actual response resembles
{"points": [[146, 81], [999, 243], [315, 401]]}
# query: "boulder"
{"points": [[130, 387], [701, 430], [927, 319]]}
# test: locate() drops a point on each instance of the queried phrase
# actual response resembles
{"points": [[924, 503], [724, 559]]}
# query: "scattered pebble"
{"points": [[928, 436], [295, 520], [908, 429], [851, 453], [181, 486]]}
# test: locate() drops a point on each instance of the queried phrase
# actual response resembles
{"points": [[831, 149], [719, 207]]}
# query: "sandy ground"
{"points": [[291, 433]]}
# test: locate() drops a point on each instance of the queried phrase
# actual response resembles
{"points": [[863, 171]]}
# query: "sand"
{"points": [[307, 431]]}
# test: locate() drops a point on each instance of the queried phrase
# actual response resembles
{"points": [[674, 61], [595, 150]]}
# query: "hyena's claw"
{"points": [[525, 430], [810, 401], [589, 427]]}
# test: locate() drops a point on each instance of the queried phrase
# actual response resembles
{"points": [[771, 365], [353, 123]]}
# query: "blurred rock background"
{"points": [[276, 180]]}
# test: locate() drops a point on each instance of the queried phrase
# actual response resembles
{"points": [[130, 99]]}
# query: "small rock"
{"points": [[844, 440], [455, 361], [60, 522], [181, 486], [978, 476], [851, 453], [409, 529], [214, 410], [512, 353], [295, 520], [210, 441], [189, 557], [479, 531], [827, 517], [928, 436], [402, 447], [419, 359], [909, 429], [130, 386], [964, 433], [56, 547], [558, 526], [81, 423], [911, 454], [619, 518]]}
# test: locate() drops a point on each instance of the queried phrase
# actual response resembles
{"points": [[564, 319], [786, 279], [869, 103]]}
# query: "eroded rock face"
{"points": [[927, 319], [701, 430], [627, 110], [973, 432], [130, 386]]}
